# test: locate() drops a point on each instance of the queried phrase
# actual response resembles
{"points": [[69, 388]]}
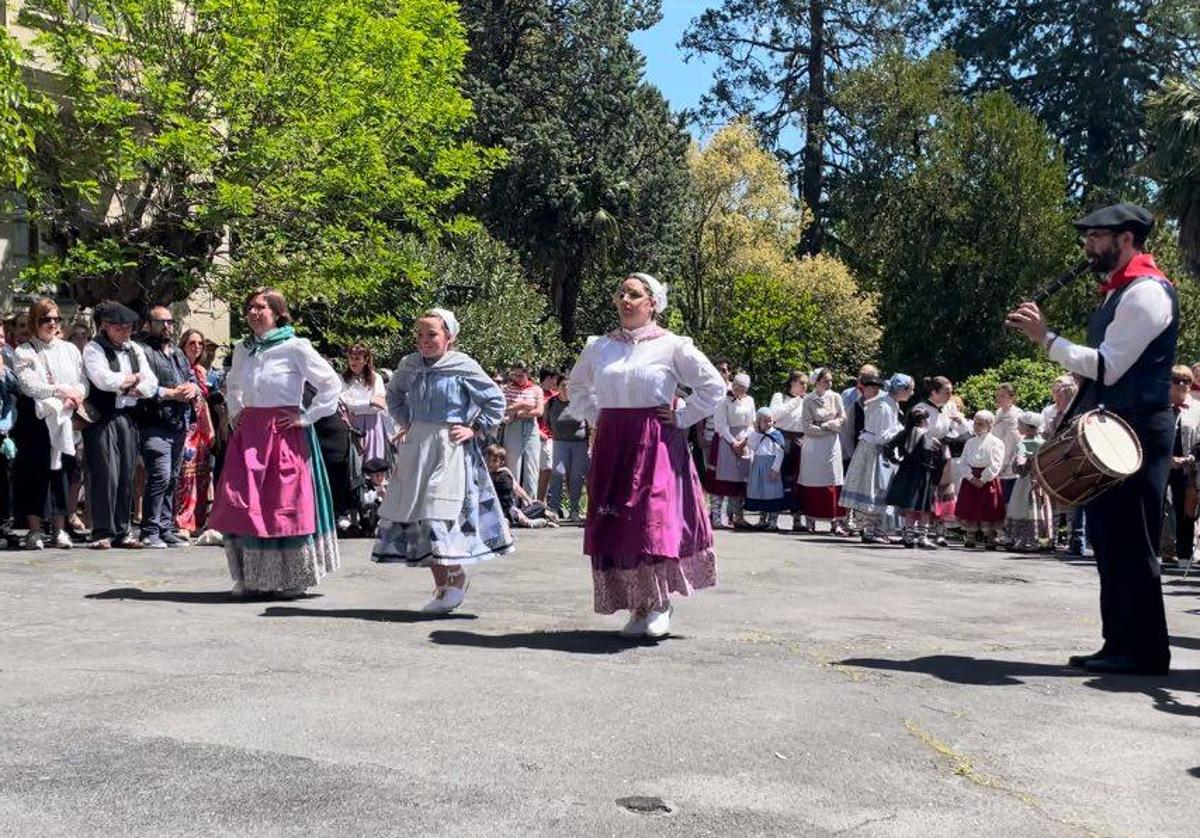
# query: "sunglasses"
{"points": [[1186, 381], [49, 319], [167, 321]]}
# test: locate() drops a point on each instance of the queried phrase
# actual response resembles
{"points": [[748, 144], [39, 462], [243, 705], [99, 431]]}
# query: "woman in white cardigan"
{"points": [[821, 469]]}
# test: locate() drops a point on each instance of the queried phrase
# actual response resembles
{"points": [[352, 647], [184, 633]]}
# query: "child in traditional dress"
{"points": [[921, 457], [1029, 511], [764, 490], [980, 505]]}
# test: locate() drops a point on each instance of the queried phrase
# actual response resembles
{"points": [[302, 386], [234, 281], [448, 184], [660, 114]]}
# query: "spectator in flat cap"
{"points": [[120, 376]]}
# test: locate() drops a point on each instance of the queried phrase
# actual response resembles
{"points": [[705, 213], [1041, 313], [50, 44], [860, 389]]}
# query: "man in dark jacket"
{"points": [[163, 422]]}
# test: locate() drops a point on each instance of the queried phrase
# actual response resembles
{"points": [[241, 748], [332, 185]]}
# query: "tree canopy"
{"points": [[242, 142]]}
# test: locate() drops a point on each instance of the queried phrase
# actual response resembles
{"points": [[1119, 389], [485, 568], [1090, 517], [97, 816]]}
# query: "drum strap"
{"points": [[1099, 378]]}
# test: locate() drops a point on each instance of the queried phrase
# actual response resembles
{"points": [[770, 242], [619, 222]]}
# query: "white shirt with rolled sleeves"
{"points": [[1142, 314], [275, 377], [614, 373], [103, 377]]}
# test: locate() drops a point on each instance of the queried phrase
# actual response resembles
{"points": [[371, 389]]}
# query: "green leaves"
{"points": [[294, 137]]}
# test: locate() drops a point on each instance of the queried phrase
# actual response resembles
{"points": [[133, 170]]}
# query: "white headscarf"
{"points": [[742, 380], [448, 318], [657, 290]]}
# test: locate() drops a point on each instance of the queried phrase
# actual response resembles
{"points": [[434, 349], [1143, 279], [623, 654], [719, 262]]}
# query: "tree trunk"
{"points": [[814, 128]]}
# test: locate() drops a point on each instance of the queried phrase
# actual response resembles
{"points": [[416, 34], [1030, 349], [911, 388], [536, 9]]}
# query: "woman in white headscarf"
{"points": [[729, 463], [441, 510], [646, 533]]}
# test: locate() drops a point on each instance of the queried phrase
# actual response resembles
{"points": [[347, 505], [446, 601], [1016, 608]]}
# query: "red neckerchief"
{"points": [[1139, 266]]}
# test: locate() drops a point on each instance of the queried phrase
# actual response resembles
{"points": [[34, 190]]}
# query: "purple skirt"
{"points": [[375, 442], [647, 532]]}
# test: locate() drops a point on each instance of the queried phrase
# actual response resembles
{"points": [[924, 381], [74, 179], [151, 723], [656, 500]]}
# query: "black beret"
{"points": [[1118, 217], [116, 314]]}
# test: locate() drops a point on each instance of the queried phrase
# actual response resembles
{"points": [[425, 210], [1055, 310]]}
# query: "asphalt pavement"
{"points": [[824, 687]]}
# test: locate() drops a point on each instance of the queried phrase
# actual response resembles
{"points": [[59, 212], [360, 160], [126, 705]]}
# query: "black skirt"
{"points": [[40, 492]]}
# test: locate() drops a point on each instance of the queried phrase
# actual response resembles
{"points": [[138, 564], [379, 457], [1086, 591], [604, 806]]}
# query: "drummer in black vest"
{"points": [[1126, 367], [163, 425], [120, 377]]}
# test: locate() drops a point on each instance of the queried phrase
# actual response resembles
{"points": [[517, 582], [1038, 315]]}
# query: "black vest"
{"points": [[171, 371], [1146, 386], [101, 403]]}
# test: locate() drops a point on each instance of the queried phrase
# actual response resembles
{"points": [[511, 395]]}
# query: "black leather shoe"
{"points": [[1120, 665], [1080, 661]]}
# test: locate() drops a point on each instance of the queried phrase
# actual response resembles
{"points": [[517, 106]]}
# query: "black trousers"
{"points": [[1124, 527], [111, 448], [1185, 527]]}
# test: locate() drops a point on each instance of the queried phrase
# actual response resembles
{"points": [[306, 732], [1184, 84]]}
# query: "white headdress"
{"points": [[448, 318], [657, 290]]}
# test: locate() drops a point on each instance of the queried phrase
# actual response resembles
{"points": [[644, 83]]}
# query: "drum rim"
{"points": [[1137, 443]]}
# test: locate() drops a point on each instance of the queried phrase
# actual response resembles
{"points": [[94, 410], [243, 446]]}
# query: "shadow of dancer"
{"points": [[376, 615], [196, 597], [581, 642]]}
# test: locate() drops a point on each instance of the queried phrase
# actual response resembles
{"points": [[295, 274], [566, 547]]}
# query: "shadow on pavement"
{"points": [[1185, 642], [198, 597], [963, 670], [1195, 772], [377, 615], [989, 672], [582, 642]]}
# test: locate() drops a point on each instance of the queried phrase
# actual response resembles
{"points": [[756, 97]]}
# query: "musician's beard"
{"points": [[1105, 261]]}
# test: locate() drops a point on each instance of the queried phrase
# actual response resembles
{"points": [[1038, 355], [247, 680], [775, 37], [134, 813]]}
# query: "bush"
{"points": [[1029, 376]]}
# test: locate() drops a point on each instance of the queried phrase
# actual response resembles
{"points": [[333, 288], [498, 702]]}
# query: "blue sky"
{"points": [[682, 84]]}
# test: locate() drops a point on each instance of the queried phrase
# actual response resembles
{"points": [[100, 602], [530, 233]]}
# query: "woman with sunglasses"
{"points": [[195, 473], [53, 388]]}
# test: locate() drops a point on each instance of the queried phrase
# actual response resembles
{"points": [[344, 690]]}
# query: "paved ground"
{"points": [[821, 689]]}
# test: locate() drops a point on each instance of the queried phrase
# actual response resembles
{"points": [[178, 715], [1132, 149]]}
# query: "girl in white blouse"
{"points": [[786, 411], [980, 504], [273, 502], [729, 463], [646, 532], [363, 395]]}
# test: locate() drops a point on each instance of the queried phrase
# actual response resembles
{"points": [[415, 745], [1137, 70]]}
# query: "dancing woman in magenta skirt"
{"points": [[272, 502], [647, 530]]}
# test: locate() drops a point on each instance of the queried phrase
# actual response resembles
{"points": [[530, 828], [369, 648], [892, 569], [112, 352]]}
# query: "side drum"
{"points": [[1095, 452]]}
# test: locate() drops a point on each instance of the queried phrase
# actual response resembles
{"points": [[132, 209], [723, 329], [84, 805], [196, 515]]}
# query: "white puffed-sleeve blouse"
{"points": [[275, 377], [356, 395], [623, 371]]}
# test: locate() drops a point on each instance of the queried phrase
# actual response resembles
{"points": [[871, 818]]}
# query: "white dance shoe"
{"points": [[446, 599], [658, 623], [636, 627]]}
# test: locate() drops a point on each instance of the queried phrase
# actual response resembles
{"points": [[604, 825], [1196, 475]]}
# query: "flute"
{"points": [[1062, 281]]}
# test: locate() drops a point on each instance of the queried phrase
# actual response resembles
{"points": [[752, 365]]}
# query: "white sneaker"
{"points": [[636, 627], [343, 523], [63, 541], [33, 541], [658, 623]]}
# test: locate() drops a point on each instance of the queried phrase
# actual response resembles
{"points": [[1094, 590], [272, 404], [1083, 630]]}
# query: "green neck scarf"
{"points": [[272, 338]]}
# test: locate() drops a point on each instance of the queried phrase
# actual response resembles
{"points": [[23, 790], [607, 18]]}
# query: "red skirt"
{"points": [[821, 502], [984, 504]]}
